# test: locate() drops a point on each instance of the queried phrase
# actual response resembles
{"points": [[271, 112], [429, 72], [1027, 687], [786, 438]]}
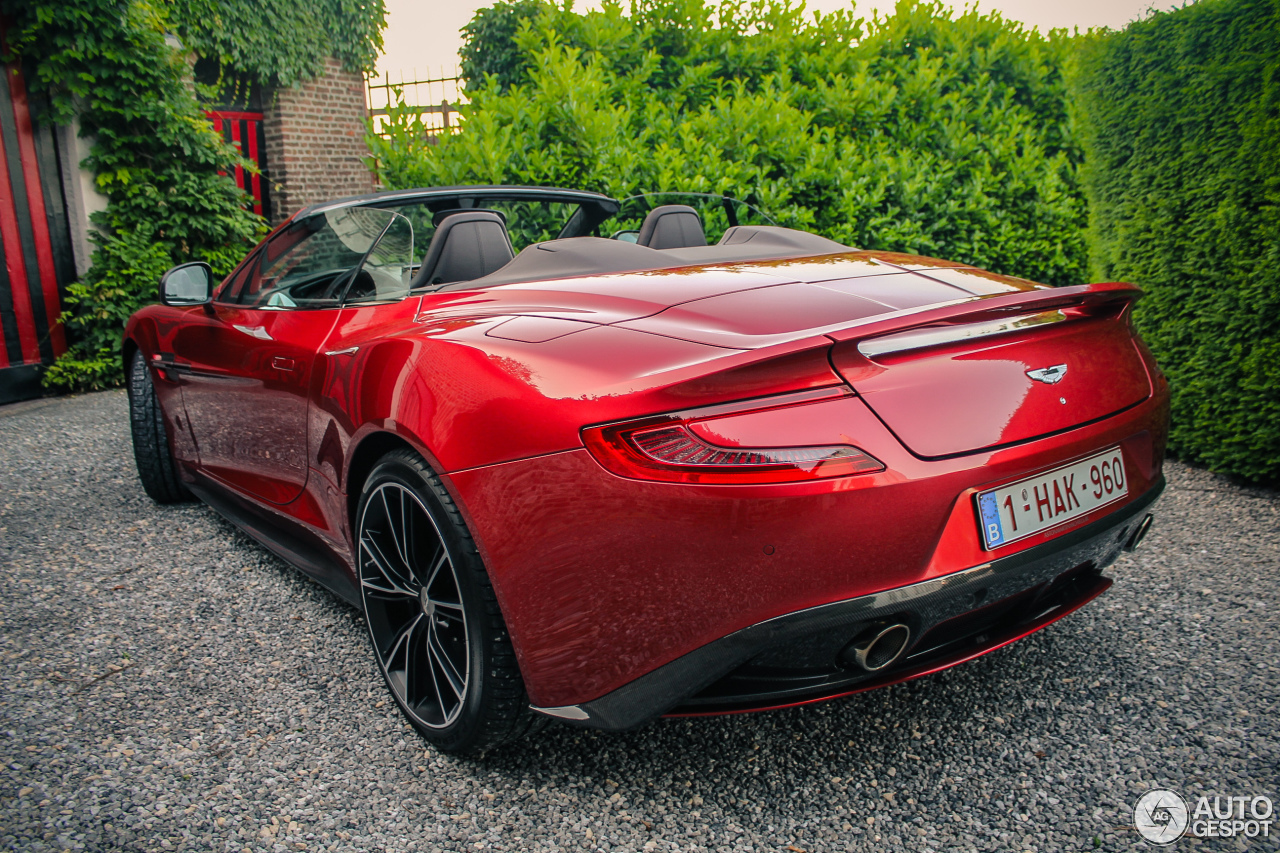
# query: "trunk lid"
{"points": [[998, 371]]}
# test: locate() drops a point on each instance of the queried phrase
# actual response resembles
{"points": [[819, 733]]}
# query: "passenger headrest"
{"points": [[440, 215], [465, 246], [672, 226]]}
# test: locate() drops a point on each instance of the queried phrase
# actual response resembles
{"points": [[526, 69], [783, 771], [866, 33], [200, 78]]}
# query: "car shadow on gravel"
{"points": [[1066, 725]]}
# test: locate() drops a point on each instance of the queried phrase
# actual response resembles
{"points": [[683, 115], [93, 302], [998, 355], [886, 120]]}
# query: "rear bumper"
{"points": [[791, 659]]}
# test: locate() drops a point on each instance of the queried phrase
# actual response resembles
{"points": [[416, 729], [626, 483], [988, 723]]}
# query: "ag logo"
{"points": [[1049, 375], [1161, 816]]}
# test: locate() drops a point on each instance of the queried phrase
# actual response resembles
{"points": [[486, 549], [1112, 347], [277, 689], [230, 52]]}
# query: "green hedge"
{"points": [[917, 132], [1181, 126]]}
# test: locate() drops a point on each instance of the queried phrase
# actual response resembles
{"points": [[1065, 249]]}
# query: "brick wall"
{"points": [[315, 141]]}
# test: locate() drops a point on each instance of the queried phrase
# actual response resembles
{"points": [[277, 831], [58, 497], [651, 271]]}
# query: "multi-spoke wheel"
{"points": [[416, 615], [437, 634]]}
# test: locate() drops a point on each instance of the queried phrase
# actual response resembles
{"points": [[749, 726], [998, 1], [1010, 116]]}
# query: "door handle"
{"points": [[282, 362], [347, 351]]}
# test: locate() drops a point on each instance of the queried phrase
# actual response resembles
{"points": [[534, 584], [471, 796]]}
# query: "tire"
{"points": [[151, 449], [437, 633]]}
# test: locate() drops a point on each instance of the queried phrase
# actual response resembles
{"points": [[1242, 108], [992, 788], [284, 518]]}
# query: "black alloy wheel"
{"points": [[416, 616], [437, 633]]}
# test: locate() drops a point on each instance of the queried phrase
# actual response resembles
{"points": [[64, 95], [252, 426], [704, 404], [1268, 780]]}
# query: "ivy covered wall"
{"points": [[155, 156], [281, 42]]}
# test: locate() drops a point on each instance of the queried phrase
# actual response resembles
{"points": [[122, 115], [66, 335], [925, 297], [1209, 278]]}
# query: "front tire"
{"points": [[151, 449], [437, 633]]}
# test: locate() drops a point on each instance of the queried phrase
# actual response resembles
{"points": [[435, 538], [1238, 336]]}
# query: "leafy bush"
{"points": [[916, 132], [1180, 118], [156, 156], [156, 159]]}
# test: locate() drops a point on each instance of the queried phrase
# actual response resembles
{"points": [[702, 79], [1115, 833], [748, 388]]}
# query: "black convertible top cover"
{"points": [[582, 256]]}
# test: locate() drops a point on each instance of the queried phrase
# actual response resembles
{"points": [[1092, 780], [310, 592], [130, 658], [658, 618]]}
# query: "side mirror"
{"points": [[187, 284]]}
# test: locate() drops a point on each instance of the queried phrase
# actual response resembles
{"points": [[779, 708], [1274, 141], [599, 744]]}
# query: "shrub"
{"points": [[1180, 116], [156, 157], [916, 132]]}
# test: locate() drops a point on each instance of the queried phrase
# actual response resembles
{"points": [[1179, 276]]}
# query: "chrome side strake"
{"points": [[565, 712]]}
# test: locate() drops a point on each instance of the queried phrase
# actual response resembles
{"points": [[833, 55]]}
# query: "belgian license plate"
{"points": [[1037, 503]]}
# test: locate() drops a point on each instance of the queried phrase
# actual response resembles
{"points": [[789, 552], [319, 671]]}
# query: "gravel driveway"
{"points": [[167, 684]]}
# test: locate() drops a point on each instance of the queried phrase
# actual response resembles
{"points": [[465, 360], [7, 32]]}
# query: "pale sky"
{"points": [[423, 34]]}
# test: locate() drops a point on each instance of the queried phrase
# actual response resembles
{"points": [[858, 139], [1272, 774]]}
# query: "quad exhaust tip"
{"points": [[879, 648], [1139, 534]]}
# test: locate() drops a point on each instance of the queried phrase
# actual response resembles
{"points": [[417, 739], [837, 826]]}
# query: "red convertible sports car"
{"points": [[576, 461]]}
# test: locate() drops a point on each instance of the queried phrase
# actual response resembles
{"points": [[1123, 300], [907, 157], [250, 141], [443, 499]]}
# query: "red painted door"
{"points": [[244, 131], [34, 242]]}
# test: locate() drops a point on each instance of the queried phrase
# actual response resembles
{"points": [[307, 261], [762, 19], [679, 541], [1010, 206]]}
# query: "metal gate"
{"points": [[244, 131], [38, 261]]}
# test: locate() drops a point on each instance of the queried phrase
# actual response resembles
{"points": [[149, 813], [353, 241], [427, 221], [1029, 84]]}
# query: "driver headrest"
{"points": [[465, 246]]}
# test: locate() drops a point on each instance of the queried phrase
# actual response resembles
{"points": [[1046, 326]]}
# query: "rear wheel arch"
{"points": [[363, 458], [373, 446], [493, 703]]}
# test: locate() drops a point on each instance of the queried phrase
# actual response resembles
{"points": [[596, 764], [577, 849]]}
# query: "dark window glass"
{"points": [[309, 264], [231, 293]]}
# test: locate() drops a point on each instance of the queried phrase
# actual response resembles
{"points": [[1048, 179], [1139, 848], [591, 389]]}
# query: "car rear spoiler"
{"points": [[973, 318]]}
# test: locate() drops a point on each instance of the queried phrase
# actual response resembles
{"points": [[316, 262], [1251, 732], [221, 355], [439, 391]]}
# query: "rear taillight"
{"points": [[679, 447]]}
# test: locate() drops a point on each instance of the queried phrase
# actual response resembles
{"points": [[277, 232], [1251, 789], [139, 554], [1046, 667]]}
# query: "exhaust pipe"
{"points": [[878, 648], [1139, 534]]}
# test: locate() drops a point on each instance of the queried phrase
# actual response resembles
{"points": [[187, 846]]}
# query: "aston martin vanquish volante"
{"points": [[576, 461]]}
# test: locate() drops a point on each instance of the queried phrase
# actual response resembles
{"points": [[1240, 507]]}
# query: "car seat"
{"points": [[672, 226], [465, 246]]}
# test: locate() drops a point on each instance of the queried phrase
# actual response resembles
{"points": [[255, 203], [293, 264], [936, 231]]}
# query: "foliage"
{"points": [[282, 41], [489, 48], [1180, 117], [916, 132], [156, 159]]}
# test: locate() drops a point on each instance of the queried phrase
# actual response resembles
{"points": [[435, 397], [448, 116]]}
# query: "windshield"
{"points": [[374, 253]]}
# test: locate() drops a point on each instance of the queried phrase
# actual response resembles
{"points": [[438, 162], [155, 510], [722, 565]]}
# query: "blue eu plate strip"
{"points": [[990, 512]]}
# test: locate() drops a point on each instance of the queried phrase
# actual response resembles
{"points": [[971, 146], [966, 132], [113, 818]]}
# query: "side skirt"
{"points": [[292, 546]]}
